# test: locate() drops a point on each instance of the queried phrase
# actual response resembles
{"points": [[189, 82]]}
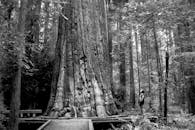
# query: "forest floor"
{"points": [[151, 121], [148, 121], [134, 120]]}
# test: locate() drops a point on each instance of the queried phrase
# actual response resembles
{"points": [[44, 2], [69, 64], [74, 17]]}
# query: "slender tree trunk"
{"points": [[158, 65], [138, 63], [122, 67], [110, 49], [143, 48], [148, 68], [46, 23], [131, 71], [110, 60], [150, 75], [16, 91], [166, 83]]}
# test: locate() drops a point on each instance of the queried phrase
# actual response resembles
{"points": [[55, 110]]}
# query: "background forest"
{"points": [[96, 56]]}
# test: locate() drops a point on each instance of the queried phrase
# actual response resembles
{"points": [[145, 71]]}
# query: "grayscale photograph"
{"points": [[97, 64]]}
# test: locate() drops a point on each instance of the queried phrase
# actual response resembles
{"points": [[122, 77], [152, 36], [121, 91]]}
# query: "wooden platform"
{"points": [[94, 119], [32, 120], [71, 124]]}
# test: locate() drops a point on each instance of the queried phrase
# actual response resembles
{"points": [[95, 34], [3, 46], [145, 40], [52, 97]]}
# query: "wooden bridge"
{"points": [[94, 119], [80, 123], [73, 123], [63, 123]]}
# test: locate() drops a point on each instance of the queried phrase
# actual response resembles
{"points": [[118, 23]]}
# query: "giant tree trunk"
{"points": [[57, 61], [16, 91], [88, 91]]}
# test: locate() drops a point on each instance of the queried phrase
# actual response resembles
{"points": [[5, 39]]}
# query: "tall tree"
{"points": [[131, 71], [137, 55], [122, 61], [159, 71], [166, 83], [148, 67], [37, 20], [16, 91], [189, 29], [46, 23], [89, 92], [110, 44], [57, 61]]}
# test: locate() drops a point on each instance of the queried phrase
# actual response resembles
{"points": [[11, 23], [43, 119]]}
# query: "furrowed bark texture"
{"points": [[131, 71], [56, 68], [83, 86]]}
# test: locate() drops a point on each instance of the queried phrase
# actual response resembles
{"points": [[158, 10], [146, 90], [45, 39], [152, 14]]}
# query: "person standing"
{"points": [[141, 100]]}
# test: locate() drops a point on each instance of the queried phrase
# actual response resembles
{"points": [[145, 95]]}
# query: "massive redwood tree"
{"points": [[81, 82]]}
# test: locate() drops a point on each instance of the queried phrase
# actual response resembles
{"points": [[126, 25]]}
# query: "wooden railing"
{"points": [[29, 113]]}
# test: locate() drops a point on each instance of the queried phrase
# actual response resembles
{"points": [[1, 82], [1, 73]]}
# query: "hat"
{"points": [[141, 91]]}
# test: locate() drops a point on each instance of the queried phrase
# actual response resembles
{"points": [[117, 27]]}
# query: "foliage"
{"points": [[174, 25], [168, 16], [3, 112]]}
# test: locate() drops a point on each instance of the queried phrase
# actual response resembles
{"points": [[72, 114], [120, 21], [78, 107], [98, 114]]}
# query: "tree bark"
{"points": [[131, 71], [16, 91], [37, 20], [110, 51], [106, 68], [60, 92], [122, 67], [88, 86], [138, 62], [166, 83], [160, 78], [57, 61], [148, 68], [46, 23], [110, 60]]}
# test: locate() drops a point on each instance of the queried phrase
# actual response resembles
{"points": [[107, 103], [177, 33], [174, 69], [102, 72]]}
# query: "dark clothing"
{"points": [[141, 101]]}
